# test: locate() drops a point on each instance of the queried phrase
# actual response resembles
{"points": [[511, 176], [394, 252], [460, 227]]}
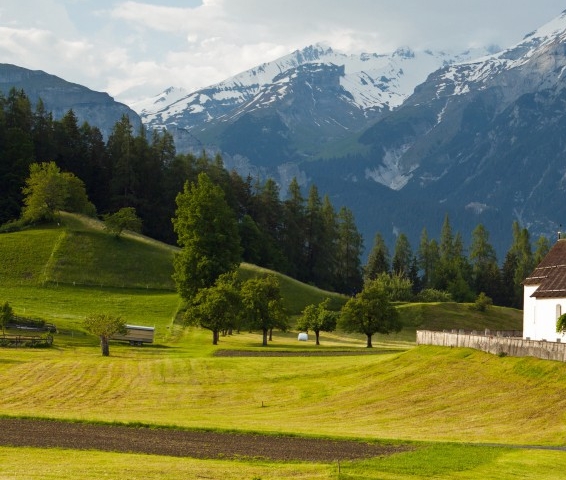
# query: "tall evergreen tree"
{"points": [[267, 211], [121, 151], [314, 236], [96, 168], [542, 247], [446, 244], [16, 152], [293, 238], [521, 247], [43, 134], [378, 259], [428, 257], [326, 268], [68, 144], [483, 259], [402, 256], [349, 251], [208, 235]]}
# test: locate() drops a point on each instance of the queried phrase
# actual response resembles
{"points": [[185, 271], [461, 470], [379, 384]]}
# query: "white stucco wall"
{"points": [[539, 316]]}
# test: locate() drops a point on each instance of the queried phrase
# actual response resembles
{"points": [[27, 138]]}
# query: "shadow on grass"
{"points": [[305, 353]]}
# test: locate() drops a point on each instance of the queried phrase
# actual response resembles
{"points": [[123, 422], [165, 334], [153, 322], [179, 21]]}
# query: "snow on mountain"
{"points": [[372, 81], [462, 78], [536, 63]]}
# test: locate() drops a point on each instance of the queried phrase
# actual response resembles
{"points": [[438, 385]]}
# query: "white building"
{"points": [[545, 296]]}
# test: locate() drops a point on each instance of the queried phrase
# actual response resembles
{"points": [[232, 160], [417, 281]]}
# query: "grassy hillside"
{"points": [[80, 268], [399, 391], [80, 253], [424, 394], [448, 316]]}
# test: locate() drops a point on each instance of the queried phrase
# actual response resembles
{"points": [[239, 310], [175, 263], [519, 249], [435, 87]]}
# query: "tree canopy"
{"points": [[123, 219], [370, 312], [263, 306], [318, 318], [6, 314], [104, 325], [216, 308], [207, 232], [49, 190]]}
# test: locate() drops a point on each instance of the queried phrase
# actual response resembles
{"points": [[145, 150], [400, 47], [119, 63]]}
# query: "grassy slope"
{"points": [[423, 393]]}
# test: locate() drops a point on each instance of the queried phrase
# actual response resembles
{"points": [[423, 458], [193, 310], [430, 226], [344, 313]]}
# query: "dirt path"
{"points": [[182, 443]]}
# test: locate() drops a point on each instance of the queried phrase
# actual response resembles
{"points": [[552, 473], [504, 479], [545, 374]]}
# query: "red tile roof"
{"points": [[550, 274]]}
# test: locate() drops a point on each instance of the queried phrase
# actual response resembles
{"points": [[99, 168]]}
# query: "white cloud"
{"points": [[138, 48]]}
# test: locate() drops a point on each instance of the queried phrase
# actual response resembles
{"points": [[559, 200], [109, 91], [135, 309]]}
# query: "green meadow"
{"points": [[465, 414]]}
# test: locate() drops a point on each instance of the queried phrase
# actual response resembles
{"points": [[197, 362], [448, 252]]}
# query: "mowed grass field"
{"points": [[452, 406]]}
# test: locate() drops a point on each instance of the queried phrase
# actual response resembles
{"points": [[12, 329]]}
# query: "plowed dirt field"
{"points": [[183, 443]]}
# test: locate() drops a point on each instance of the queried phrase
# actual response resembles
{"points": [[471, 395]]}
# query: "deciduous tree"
{"points": [[263, 305], [6, 314], [370, 312], [318, 318], [216, 308], [45, 193], [123, 219], [49, 190], [104, 326]]}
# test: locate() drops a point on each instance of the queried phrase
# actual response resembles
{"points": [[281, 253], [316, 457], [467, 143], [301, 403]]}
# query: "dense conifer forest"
{"points": [[302, 235]]}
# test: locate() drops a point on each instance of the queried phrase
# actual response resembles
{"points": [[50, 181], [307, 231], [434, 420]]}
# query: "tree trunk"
{"points": [[265, 337], [104, 346], [271, 334], [369, 345], [214, 337], [316, 334]]}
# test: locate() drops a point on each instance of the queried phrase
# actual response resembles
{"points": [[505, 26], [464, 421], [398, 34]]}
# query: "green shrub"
{"points": [[483, 303], [430, 295]]}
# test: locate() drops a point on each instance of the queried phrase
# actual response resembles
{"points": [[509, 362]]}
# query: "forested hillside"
{"points": [[302, 235], [305, 238]]}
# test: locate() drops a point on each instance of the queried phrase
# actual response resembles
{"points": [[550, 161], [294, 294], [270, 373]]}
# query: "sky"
{"points": [[136, 49]]}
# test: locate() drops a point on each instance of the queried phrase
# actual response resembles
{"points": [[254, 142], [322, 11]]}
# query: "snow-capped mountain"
{"points": [[401, 139], [483, 140], [536, 64], [364, 84]]}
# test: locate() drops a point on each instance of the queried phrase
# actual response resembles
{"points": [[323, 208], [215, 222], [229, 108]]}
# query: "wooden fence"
{"points": [[7, 340], [497, 343]]}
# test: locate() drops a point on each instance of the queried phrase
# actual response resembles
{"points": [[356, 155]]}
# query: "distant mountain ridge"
{"points": [[484, 140], [315, 92], [60, 96], [401, 139]]}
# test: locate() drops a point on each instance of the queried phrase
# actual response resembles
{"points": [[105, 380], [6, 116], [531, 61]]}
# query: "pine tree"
{"points": [[378, 259], [482, 255], [349, 250], [121, 151], [293, 237], [542, 248], [208, 235], [428, 256], [402, 256]]}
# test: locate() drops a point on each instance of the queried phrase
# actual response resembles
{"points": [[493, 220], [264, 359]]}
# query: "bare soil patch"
{"points": [[296, 353], [183, 443]]}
